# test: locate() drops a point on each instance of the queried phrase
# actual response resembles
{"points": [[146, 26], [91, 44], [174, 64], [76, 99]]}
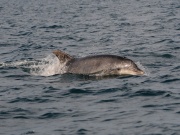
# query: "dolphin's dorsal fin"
{"points": [[62, 56]]}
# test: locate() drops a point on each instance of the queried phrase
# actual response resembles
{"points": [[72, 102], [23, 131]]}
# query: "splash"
{"points": [[147, 73], [12, 64], [47, 66]]}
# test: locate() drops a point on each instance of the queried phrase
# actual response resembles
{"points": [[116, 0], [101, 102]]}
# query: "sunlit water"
{"points": [[36, 97]]}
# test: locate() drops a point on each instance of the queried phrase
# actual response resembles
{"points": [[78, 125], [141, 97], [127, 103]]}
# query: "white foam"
{"points": [[147, 73], [12, 64], [47, 66]]}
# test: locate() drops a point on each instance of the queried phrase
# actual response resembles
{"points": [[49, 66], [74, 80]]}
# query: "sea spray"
{"points": [[47, 66], [13, 64]]}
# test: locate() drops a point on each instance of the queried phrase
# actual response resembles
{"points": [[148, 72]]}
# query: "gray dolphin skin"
{"points": [[98, 65]]}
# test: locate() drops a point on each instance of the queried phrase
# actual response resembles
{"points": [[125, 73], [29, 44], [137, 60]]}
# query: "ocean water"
{"points": [[36, 98]]}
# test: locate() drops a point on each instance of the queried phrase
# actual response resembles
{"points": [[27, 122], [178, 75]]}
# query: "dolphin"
{"points": [[98, 65]]}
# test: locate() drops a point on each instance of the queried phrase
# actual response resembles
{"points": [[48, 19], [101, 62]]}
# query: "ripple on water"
{"points": [[51, 115], [147, 92], [171, 80], [50, 89], [16, 113], [52, 26], [78, 91], [162, 105], [32, 100]]}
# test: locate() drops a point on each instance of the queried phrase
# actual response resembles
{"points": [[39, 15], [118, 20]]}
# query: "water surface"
{"points": [[34, 99]]}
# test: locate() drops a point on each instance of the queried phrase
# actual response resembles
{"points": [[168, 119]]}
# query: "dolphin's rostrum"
{"points": [[98, 65]]}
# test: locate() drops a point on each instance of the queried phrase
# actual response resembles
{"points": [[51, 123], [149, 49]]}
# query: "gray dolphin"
{"points": [[98, 65]]}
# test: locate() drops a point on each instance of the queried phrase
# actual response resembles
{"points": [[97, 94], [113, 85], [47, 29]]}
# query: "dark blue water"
{"points": [[35, 100]]}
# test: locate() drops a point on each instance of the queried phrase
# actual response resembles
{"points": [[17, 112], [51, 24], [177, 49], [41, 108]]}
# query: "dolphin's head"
{"points": [[128, 67]]}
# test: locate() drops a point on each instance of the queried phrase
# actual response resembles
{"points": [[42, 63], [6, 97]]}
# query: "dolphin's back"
{"points": [[98, 65], [93, 64]]}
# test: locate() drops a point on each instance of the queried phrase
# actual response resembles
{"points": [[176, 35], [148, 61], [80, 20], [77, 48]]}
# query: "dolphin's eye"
{"points": [[126, 65]]}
